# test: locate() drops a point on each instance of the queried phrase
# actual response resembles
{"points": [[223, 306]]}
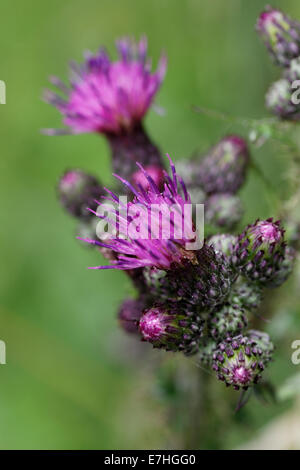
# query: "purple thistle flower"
{"points": [[158, 236], [109, 97]]}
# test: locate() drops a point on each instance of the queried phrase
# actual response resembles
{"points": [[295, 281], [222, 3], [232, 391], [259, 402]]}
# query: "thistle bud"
{"points": [[224, 168], [223, 210], [129, 314], [204, 283], [157, 283], [279, 100], [292, 73], [285, 268], [247, 295], [187, 170], [230, 320], [166, 327], [197, 195], [259, 252], [239, 361], [206, 349], [223, 244], [280, 34], [77, 191], [261, 344], [87, 228]]}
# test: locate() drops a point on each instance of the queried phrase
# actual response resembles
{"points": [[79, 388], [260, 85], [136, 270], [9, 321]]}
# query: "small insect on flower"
{"points": [[152, 229], [105, 96]]}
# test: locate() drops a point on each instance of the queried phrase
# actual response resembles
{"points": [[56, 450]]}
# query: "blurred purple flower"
{"points": [[108, 97]]}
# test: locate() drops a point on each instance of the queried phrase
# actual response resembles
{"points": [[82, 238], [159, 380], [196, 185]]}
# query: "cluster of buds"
{"points": [[214, 180], [281, 35], [196, 298], [200, 301]]}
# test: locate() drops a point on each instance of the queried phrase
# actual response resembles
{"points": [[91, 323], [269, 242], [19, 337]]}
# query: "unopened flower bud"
{"points": [[78, 192], [224, 168], [246, 294], [187, 170], [205, 282], [198, 196], [279, 100], [223, 244], [239, 361], [230, 320], [166, 327], [223, 210], [129, 314], [259, 252], [280, 34], [285, 268]]}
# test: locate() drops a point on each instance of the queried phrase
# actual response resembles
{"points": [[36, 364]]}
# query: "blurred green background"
{"points": [[71, 380]]}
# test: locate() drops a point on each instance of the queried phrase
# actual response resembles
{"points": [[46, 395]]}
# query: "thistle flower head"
{"points": [[77, 191], [168, 328], [152, 229], [280, 34], [224, 168], [239, 361], [109, 97], [259, 252]]}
